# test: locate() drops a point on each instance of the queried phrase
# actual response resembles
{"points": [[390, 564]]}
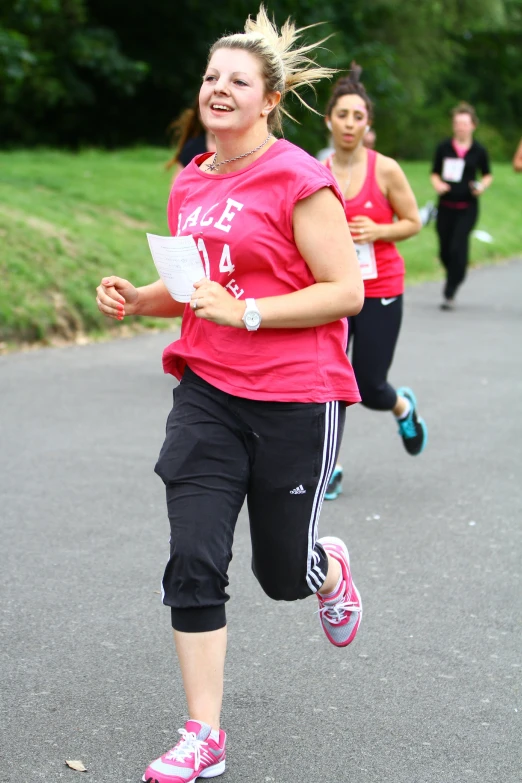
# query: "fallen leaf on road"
{"points": [[77, 765], [158, 592]]}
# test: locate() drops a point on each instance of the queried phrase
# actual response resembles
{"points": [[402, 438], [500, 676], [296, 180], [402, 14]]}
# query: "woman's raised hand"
{"points": [[116, 297], [363, 229]]}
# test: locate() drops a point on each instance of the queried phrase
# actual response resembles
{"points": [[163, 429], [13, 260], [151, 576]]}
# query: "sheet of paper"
{"points": [[178, 262], [453, 169], [366, 259]]}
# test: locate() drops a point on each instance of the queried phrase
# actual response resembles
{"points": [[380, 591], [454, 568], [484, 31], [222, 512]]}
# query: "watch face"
{"points": [[252, 319]]}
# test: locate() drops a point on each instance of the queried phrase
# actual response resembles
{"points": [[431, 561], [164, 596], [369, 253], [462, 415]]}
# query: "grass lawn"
{"points": [[68, 219]]}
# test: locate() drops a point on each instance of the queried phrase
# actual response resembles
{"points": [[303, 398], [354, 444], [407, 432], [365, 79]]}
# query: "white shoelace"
{"points": [[336, 613], [189, 744]]}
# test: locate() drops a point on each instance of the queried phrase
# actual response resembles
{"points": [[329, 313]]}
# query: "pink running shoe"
{"points": [[196, 755], [340, 614]]}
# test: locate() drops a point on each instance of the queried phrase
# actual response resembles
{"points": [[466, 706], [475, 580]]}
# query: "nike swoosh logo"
{"points": [[389, 301]]}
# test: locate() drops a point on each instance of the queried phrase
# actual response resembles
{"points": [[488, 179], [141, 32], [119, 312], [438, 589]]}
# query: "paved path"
{"points": [[430, 690]]}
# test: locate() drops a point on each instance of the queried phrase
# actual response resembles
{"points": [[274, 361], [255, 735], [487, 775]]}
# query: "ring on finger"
{"points": [[194, 304]]}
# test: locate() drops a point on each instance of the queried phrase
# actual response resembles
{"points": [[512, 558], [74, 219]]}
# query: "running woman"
{"points": [[264, 378], [191, 138], [517, 160], [454, 178], [381, 210]]}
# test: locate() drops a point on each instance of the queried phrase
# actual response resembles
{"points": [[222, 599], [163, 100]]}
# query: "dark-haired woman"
{"points": [[381, 210], [190, 137], [454, 177]]}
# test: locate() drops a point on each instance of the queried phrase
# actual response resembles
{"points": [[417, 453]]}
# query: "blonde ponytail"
{"points": [[285, 69]]}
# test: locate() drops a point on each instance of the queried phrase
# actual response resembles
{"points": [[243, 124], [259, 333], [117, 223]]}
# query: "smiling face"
{"points": [[463, 127], [349, 119], [233, 95]]}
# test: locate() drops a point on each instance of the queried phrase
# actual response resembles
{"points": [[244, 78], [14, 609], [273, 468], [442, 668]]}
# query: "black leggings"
{"points": [[454, 227], [374, 333]]}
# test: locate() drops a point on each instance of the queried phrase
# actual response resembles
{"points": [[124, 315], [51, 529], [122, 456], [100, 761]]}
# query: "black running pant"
{"points": [[454, 227], [373, 334], [220, 450]]}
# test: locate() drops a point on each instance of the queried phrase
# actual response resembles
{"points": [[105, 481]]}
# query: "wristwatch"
{"points": [[252, 316]]}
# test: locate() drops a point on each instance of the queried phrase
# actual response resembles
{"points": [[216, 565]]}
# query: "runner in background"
{"points": [[190, 138], [517, 160], [381, 209], [325, 152], [264, 377], [454, 178], [369, 139]]}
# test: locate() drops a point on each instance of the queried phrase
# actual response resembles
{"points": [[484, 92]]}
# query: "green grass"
{"points": [[65, 221], [68, 219]]}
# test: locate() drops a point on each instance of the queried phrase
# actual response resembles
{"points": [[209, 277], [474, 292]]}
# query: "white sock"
{"points": [[335, 590], [406, 412], [214, 735]]}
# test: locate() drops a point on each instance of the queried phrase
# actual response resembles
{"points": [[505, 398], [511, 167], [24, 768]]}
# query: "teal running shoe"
{"points": [[335, 486], [412, 429]]}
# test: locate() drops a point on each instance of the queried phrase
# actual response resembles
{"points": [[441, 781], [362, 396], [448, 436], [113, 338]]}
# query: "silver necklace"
{"points": [[350, 172], [214, 165]]}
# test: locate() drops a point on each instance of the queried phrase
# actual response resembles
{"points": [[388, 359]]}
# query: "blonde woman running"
{"points": [[264, 378]]}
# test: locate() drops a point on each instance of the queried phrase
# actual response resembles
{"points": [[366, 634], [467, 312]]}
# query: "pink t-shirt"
{"points": [[372, 202], [242, 225]]}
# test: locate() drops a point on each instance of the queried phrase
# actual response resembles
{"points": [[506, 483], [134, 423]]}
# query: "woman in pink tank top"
{"points": [[380, 209]]}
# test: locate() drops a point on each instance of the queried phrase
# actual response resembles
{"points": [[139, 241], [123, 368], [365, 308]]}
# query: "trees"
{"points": [[55, 70], [456, 51], [118, 71]]}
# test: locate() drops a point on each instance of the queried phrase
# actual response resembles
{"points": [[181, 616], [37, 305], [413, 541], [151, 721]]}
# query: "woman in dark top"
{"points": [[191, 138], [454, 178]]}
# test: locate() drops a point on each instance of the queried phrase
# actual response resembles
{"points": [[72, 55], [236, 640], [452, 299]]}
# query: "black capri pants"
{"points": [[373, 334], [220, 449]]}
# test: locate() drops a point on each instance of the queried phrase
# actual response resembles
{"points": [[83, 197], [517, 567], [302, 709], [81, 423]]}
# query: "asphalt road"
{"points": [[430, 690]]}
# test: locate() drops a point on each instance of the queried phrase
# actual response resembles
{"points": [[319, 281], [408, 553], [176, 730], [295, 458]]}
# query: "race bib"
{"points": [[367, 262], [453, 169]]}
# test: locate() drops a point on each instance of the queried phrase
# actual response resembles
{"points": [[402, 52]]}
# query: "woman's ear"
{"points": [[272, 100]]}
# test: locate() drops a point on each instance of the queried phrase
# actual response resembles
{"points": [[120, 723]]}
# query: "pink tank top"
{"points": [[371, 201]]}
